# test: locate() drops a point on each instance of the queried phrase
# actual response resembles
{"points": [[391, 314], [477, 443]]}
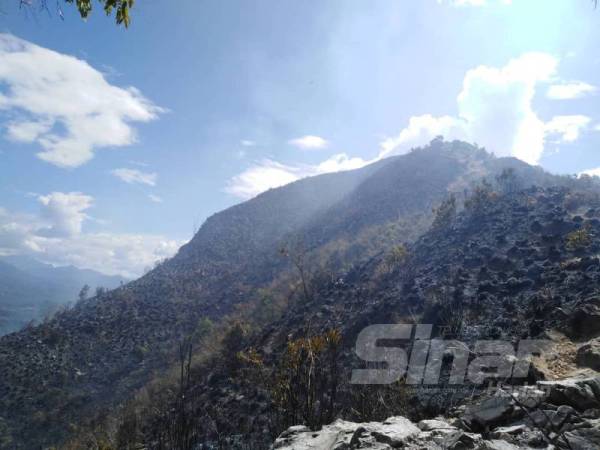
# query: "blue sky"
{"points": [[116, 144]]}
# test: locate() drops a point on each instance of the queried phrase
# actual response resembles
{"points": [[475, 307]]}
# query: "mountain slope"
{"points": [[520, 265], [94, 355]]}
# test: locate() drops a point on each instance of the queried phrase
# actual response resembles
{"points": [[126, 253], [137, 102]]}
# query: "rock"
{"points": [[394, 432], [583, 438], [332, 436], [588, 355], [585, 320], [504, 432], [581, 394], [496, 444], [488, 413], [433, 424]]}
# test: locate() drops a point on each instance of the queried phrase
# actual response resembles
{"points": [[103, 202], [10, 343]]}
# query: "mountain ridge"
{"points": [[111, 344]]}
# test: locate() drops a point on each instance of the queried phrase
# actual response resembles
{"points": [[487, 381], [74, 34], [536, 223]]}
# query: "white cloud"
{"points": [[64, 105], [16, 232], [495, 109], [126, 254], [566, 91], [248, 143], [65, 212], [568, 127], [420, 131], [55, 235], [268, 174], [132, 176], [338, 163], [155, 198], [591, 172], [262, 176], [309, 142]]}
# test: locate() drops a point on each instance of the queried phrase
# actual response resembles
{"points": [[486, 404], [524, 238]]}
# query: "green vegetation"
{"points": [[481, 198], [445, 213], [121, 8], [307, 380], [508, 181], [579, 239], [395, 259]]}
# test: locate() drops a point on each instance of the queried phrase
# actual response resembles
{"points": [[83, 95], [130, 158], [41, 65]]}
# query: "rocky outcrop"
{"points": [[585, 319], [539, 417], [588, 355]]}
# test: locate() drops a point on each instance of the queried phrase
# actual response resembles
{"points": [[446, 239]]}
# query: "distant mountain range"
{"points": [[31, 290]]}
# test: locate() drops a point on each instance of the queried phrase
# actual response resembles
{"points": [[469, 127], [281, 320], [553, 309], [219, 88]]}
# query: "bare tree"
{"points": [[297, 254]]}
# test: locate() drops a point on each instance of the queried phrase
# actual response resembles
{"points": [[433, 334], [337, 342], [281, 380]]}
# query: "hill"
{"points": [[95, 355]]}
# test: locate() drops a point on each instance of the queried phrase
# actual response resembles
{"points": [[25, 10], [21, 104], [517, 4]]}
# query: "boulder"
{"points": [[584, 438], [489, 412], [392, 433], [434, 424], [588, 355], [580, 393], [506, 432], [395, 431], [331, 436], [585, 319], [496, 444]]}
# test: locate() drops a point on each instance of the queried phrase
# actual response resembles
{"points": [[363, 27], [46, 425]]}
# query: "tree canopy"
{"points": [[121, 9]]}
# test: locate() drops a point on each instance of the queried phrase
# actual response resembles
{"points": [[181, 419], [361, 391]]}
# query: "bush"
{"points": [[481, 198], [307, 380], [233, 342], [508, 182], [579, 239], [445, 213]]}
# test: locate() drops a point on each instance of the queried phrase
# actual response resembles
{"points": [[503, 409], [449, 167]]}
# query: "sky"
{"points": [[116, 144]]}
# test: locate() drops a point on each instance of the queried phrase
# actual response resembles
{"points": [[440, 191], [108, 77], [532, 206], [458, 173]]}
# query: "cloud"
{"points": [[420, 131], [56, 235], [338, 163], [309, 142], [495, 109], [268, 174], [247, 143], [64, 105], [132, 176], [591, 172], [155, 198], [17, 231], [568, 127], [65, 212], [260, 177], [126, 254], [566, 91]]}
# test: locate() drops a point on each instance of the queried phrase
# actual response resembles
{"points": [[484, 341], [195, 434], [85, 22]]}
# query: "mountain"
{"points": [[31, 290], [94, 356], [512, 265]]}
